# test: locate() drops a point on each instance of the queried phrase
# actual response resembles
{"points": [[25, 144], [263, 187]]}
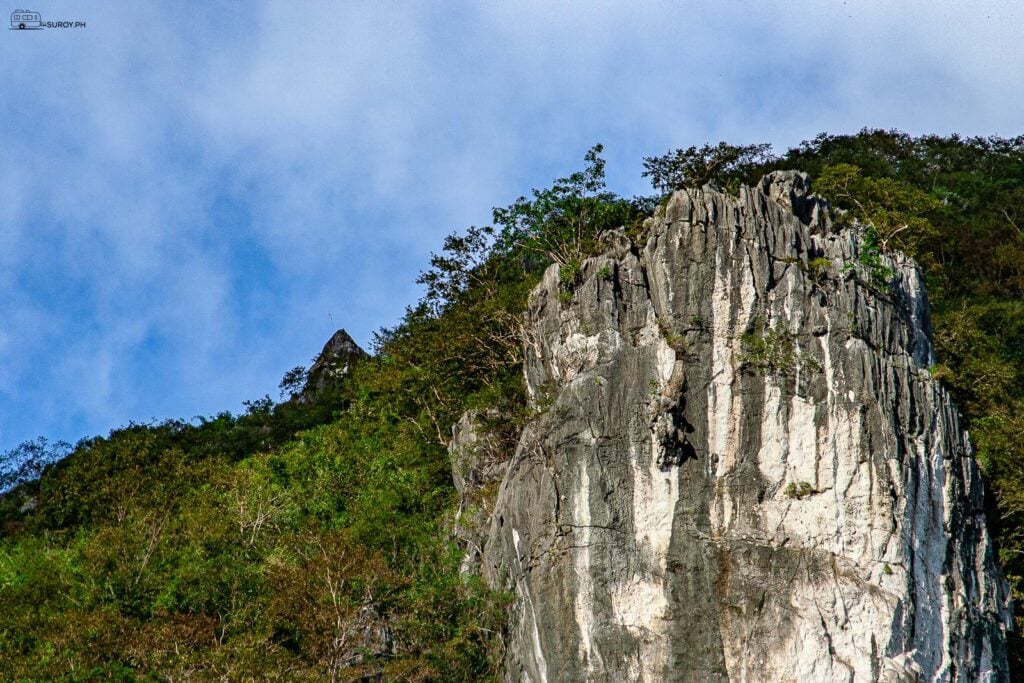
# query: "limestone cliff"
{"points": [[740, 467]]}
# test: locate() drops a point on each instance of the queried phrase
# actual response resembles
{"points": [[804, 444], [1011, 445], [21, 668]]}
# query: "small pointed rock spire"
{"points": [[334, 362]]}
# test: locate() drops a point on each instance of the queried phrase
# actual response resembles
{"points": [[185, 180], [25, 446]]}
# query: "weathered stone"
{"points": [[334, 362], [479, 462], [746, 471]]}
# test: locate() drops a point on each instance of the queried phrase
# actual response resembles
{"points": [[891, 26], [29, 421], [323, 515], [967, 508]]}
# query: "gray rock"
{"points": [[479, 462], [334, 362], [741, 469], [792, 190]]}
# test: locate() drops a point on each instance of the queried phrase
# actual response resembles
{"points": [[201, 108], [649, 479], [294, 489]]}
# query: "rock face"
{"points": [[333, 363], [740, 467]]}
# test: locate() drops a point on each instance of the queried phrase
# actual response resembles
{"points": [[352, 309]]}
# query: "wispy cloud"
{"points": [[193, 196]]}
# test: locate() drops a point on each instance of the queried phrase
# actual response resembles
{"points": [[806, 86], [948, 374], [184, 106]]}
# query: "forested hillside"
{"points": [[310, 538]]}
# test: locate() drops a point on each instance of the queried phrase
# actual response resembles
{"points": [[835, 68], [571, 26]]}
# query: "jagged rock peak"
{"points": [[792, 189], [333, 362], [741, 468]]}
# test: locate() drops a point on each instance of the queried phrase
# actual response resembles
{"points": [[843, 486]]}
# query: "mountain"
{"points": [[720, 432], [740, 467]]}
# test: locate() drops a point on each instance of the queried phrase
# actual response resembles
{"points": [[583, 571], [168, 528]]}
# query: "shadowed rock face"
{"points": [[741, 469]]}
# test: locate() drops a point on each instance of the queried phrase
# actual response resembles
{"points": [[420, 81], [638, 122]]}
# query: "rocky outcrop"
{"points": [[479, 462], [741, 468], [332, 364]]}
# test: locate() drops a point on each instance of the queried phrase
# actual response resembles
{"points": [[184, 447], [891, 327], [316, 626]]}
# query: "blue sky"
{"points": [[194, 196]]}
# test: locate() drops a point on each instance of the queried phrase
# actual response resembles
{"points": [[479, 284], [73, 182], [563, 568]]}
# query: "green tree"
{"points": [[897, 212], [694, 167], [562, 223]]}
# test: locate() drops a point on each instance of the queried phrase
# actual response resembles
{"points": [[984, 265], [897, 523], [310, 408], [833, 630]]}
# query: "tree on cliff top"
{"points": [[694, 167]]}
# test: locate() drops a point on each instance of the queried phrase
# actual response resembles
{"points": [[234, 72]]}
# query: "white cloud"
{"points": [[192, 197]]}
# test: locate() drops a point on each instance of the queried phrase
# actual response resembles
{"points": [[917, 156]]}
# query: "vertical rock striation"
{"points": [[740, 467]]}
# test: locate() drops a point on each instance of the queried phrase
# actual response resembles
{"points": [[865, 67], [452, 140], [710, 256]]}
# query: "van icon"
{"points": [[22, 19]]}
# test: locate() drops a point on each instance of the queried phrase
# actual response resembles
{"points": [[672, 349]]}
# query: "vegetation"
{"points": [[798, 490], [870, 261], [773, 352], [694, 167], [562, 223], [310, 539], [818, 269]]}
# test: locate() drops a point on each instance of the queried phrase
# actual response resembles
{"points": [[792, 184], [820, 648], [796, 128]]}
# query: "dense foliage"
{"points": [[310, 539], [694, 167], [246, 547]]}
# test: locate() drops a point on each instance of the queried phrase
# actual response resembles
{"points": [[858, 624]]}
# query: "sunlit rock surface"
{"points": [[796, 504]]}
